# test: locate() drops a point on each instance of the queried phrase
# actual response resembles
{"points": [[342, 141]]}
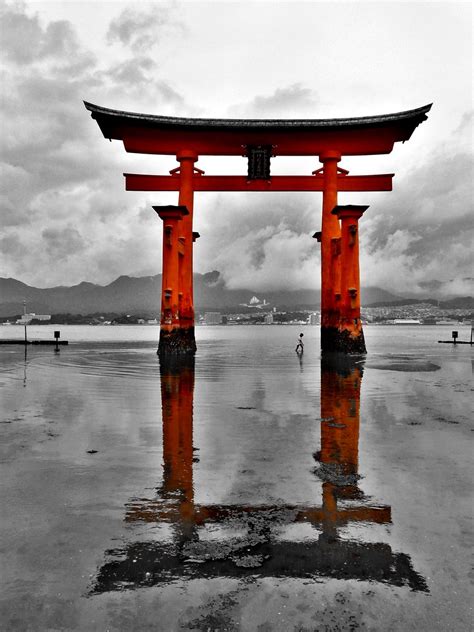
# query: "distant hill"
{"points": [[463, 302], [124, 295], [141, 295], [451, 289]]}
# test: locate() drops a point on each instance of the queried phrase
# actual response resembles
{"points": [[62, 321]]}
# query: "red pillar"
{"points": [[330, 233], [170, 325], [187, 158], [350, 336]]}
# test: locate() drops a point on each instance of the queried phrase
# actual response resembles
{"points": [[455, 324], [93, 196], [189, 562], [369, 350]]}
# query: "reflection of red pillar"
{"points": [[330, 231], [187, 158], [170, 290], [351, 336], [339, 455], [177, 393], [340, 404]]}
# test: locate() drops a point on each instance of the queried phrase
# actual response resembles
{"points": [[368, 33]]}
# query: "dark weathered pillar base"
{"points": [[174, 364], [342, 341], [335, 364], [177, 342]]}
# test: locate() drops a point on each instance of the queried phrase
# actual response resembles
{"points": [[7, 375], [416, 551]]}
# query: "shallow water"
{"points": [[251, 490]]}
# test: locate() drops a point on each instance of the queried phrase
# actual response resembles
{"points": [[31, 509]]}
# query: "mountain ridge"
{"points": [[141, 295]]}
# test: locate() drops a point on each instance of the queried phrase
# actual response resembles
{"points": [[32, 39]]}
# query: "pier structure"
{"points": [[259, 141]]}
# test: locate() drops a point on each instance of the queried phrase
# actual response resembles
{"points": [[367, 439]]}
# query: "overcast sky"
{"points": [[66, 217]]}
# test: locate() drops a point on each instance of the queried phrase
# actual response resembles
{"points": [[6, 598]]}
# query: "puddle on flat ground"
{"points": [[250, 489]]}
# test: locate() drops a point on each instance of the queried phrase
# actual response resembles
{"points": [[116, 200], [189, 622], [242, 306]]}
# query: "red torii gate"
{"points": [[260, 140]]}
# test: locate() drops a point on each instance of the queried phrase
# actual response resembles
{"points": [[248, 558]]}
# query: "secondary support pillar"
{"points": [[172, 339], [187, 158], [330, 233], [350, 337]]}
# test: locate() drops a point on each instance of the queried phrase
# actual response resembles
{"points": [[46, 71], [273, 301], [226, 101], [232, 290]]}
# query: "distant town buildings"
{"points": [[426, 313], [415, 314], [212, 318]]}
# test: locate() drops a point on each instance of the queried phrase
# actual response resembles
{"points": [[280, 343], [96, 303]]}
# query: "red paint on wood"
{"points": [[172, 217], [144, 182]]}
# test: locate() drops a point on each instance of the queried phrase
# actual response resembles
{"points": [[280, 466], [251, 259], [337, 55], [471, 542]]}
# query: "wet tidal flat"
{"points": [[250, 489]]}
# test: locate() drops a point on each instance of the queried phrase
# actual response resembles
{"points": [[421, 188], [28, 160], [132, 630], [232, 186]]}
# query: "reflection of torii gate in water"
{"points": [[259, 140], [259, 552]]}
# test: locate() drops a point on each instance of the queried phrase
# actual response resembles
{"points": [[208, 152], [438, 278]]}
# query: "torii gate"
{"points": [[259, 141]]}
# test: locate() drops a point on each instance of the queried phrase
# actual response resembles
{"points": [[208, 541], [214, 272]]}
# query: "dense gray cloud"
{"points": [[424, 230], [62, 243], [132, 71], [66, 217], [11, 245], [297, 99], [261, 241], [24, 40], [142, 30], [138, 75]]}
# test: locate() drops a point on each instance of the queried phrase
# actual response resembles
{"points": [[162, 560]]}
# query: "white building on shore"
{"points": [[27, 318]]}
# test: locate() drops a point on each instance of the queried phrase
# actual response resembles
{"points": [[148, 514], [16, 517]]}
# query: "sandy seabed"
{"points": [[252, 489]]}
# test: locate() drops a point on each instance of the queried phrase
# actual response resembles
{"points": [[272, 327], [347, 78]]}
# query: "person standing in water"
{"points": [[300, 345]]}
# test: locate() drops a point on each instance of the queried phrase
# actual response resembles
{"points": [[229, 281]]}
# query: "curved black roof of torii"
{"points": [[154, 120], [121, 125]]}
